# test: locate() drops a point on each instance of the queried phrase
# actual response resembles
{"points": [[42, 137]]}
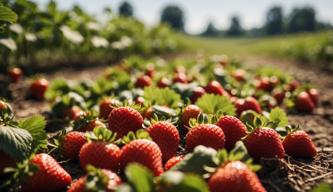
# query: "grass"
{"points": [[277, 46]]}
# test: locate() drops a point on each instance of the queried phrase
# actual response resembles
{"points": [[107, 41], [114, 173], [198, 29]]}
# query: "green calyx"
{"points": [[101, 134], [96, 180], [203, 118], [131, 136]]}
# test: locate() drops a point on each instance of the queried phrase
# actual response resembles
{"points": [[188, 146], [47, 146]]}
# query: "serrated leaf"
{"points": [[36, 127], [216, 104], [7, 15], [15, 142], [195, 162], [278, 117], [140, 178], [163, 97]]}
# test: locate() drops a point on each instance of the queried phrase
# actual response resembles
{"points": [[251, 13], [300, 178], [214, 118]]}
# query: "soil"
{"points": [[284, 175]]}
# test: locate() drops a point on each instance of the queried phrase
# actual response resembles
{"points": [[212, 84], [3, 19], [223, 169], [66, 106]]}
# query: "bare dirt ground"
{"points": [[277, 175]]}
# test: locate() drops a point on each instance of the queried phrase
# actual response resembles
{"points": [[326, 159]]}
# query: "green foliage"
{"points": [[278, 117], [323, 187], [139, 178], [15, 142], [215, 104], [163, 97], [7, 15], [101, 134], [35, 125]]}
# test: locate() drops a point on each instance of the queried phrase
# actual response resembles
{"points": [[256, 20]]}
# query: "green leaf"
{"points": [[7, 15], [323, 187], [278, 117], [196, 161], [36, 127], [176, 181], [216, 104], [140, 178], [15, 142], [163, 97]]}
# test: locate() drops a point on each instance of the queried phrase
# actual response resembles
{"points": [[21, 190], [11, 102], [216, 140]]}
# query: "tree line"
{"points": [[300, 19]]}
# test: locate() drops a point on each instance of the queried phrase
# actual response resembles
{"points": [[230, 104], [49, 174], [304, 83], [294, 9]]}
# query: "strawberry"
{"points": [[150, 71], [3, 105], [248, 103], [304, 103], [299, 144], [145, 152], [314, 95], [197, 93], [208, 135], [190, 111], [72, 143], [239, 74], [100, 154], [90, 125], [279, 96], [38, 88], [5, 161], [166, 136], [179, 78], [105, 107], [123, 120], [264, 142], [143, 81], [293, 85], [139, 100], [50, 176], [263, 84], [215, 87], [104, 180], [73, 113], [233, 129], [235, 176], [172, 162], [15, 74], [163, 82]]}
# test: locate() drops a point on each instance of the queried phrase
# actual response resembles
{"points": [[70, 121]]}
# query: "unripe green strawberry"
{"points": [[50, 176], [299, 144], [190, 111], [122, 120], [72, 143], [172, 162], [235, 176], [208, 135], [100, 154], [264, 142], [166, 135], [144, 152], [233, 129]]}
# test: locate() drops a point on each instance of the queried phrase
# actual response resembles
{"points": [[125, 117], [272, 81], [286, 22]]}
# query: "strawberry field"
{"points": [[125, 107]]}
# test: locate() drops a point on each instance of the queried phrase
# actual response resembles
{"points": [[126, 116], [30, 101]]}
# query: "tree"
{"points": [[126, 9], [302, 19], [235, 28], [274, 21], [173, 16], [210, 30]]}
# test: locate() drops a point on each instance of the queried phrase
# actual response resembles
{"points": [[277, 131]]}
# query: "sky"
{"points": [[199, 12]]}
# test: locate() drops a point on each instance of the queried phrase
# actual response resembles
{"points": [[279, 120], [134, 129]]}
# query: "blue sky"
{"points": [[198, 12]]}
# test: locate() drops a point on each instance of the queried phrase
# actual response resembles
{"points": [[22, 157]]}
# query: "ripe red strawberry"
{"points": [[235, 176], [15, 74], [123, 120], [73, 113], [264, 142], [3, 105], [293, 85], [163, 82], [72, 143], [143, 81], [106, 178], [248, 103], [166, 136], [144, 152], [233, 129], [179, 78], [263, 84], [208, 135], [299, 144], [279, 96], [100, 154], [105, 107], [239, 74], [38, 88], [89, 125], [197, 93], [5, 161], [314, 95], [139, 100], [304, 103], [215, 87], [150, 71], [190, 111], [50, 176], [172, 162]]}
